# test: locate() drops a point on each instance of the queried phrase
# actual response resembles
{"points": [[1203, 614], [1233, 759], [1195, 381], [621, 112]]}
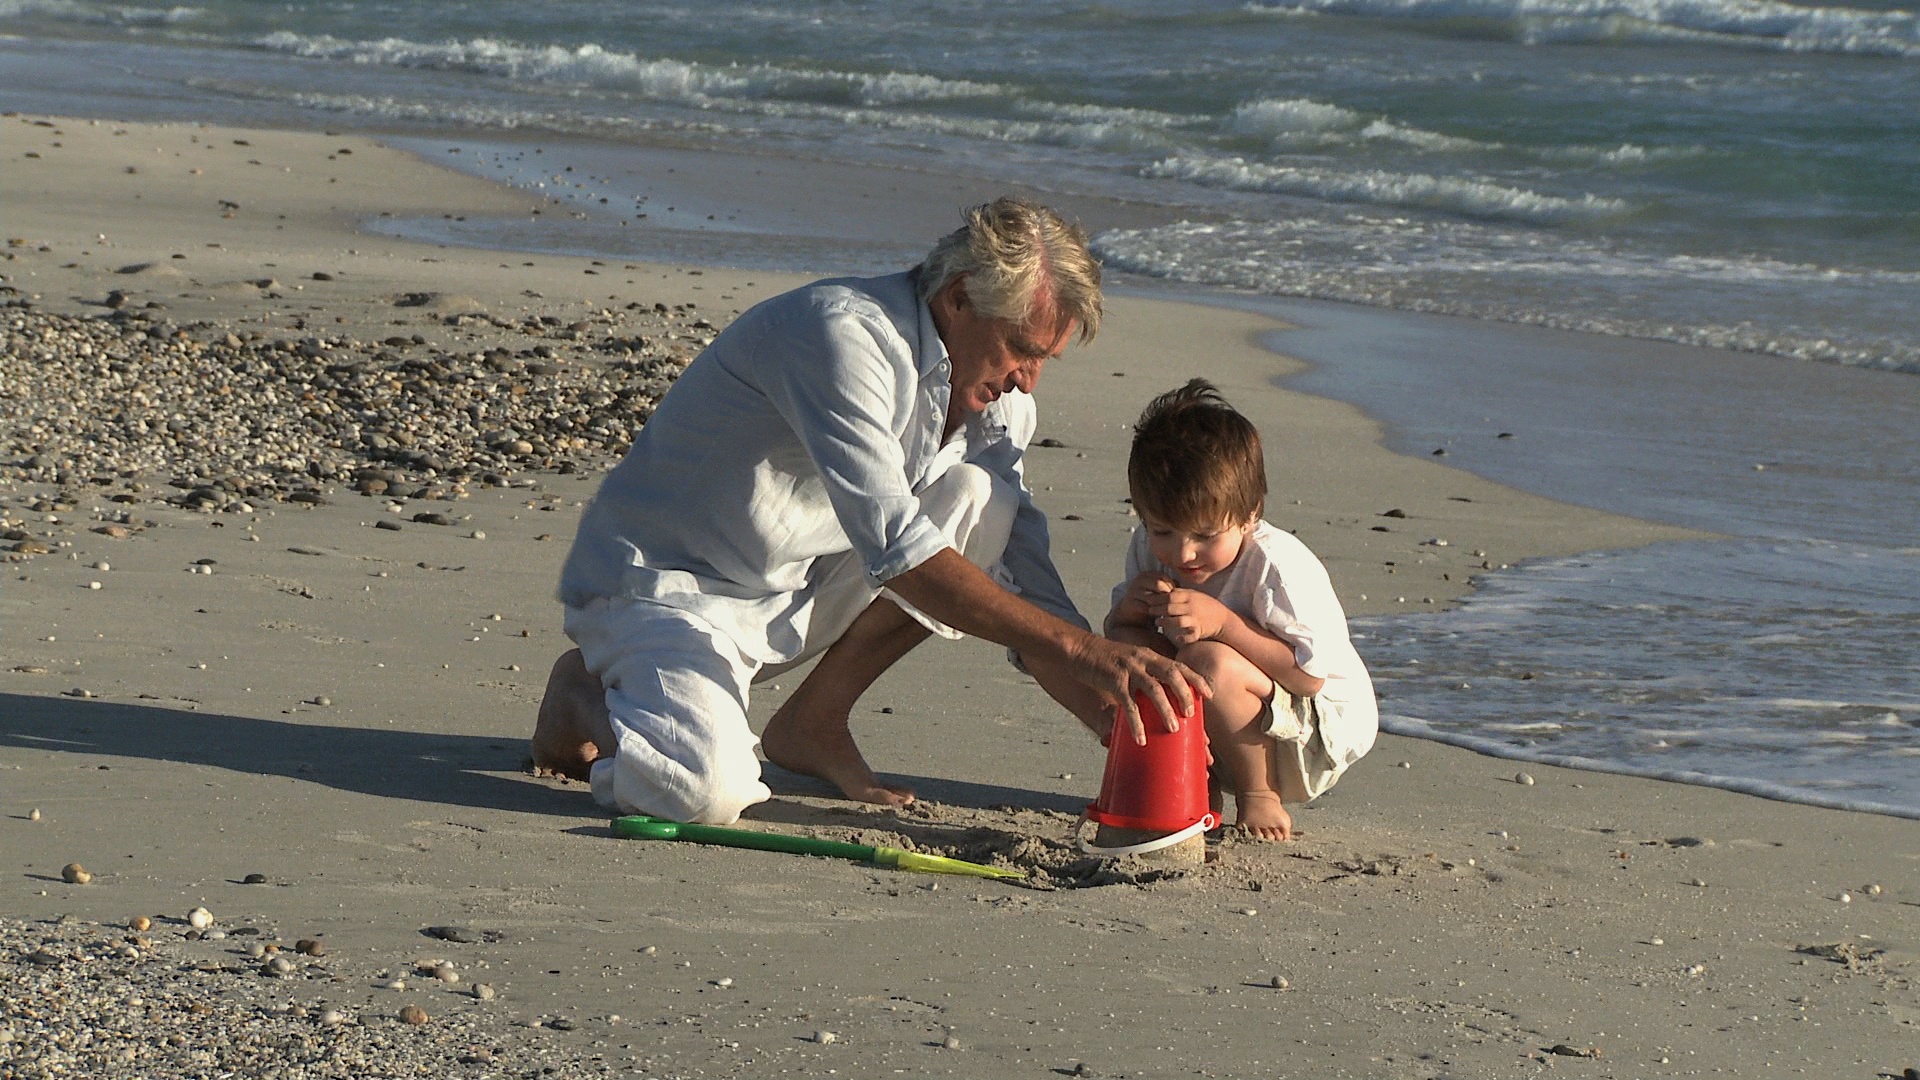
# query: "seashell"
{"points": [[75, 874], [199, 918]]}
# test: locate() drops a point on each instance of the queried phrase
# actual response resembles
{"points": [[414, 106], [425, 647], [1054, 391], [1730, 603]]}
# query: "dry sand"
{"points": [[342, 710]]}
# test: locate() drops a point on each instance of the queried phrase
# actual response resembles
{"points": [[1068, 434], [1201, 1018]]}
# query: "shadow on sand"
{"points": [[458, 770]]}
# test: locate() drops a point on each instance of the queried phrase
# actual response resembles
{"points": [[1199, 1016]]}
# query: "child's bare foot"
{"points": [[822, 746], [1262, 816], [573, 719]]}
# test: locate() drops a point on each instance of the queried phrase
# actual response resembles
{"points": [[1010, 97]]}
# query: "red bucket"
{"points": [[1157, 788]]}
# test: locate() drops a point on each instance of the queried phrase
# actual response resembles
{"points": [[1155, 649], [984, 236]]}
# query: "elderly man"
{"points": [[838, 475]]}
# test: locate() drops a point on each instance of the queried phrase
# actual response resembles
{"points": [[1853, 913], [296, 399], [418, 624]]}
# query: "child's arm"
{"points": [[1187, 615]]}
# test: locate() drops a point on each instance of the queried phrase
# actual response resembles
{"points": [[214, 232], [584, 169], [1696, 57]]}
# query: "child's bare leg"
{"points": [[1242, 752]]}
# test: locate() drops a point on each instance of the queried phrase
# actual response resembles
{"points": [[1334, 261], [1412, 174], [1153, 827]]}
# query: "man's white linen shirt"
{"points": [[804, 430]]}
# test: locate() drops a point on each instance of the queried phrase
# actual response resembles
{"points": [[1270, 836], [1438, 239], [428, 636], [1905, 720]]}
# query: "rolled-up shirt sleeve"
{"points": [[845, 386]]}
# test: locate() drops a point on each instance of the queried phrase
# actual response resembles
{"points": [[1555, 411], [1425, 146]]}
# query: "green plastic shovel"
{"points": [[642, 827]]}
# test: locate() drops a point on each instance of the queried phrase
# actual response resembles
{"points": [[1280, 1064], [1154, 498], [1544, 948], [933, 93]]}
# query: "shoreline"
{"points": [[342, 708]]}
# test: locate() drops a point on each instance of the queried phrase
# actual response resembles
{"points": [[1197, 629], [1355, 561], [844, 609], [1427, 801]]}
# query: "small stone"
{"points": [[279, 965], [215, 935], [446, 974], [397, 984], [93, 585], [483, 991], [1697, 883], [1846, 898], [1872, 890], [322, 700], [332, 1018], [257, 951], [310, 947], [102, 567], [33, 814], [140, 924], [950, 1043], [457, 934], [413, 1014], [75, 874], [649, 950], [254, 879], [1523, 779], [477, 535], [389, 525], [1657, 941], [199, 918], [825, 1037], [1249, 911], [723, 982]]}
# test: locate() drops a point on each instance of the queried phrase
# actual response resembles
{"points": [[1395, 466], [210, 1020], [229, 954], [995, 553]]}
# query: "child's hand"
{"points": [[1185, 616], [1143, 592]]}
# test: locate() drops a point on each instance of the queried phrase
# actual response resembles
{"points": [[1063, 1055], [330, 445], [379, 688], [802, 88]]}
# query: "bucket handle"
{"points": [[1167, 841]]}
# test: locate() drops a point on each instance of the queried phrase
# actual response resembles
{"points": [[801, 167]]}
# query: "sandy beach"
{"points": [[261, 655]]}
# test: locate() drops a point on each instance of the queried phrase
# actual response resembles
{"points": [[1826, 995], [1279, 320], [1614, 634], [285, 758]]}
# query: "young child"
{"points": [[1243, 603]]}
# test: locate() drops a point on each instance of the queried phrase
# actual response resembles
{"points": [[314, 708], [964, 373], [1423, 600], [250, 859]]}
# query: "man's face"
{"points": [[991, 357]]}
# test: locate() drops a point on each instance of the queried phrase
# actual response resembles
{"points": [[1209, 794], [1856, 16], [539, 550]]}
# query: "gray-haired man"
{"points": [[838, 475]]}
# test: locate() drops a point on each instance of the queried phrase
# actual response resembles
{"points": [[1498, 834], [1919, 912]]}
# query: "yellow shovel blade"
{"points": [[938, 864]]}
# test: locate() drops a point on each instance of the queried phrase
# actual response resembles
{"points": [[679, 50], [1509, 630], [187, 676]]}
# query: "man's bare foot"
{"points": [[1262, 816], [573, 721], [825, 748]]}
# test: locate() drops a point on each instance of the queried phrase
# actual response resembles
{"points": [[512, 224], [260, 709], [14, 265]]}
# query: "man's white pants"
{"points": [[677, 687]]}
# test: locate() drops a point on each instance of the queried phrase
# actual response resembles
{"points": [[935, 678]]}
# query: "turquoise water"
{"points": [[1735, 173], [1724, 172]]}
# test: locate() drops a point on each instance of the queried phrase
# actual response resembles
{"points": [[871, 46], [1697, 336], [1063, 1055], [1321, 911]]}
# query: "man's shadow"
{"points": [[457, 770]]}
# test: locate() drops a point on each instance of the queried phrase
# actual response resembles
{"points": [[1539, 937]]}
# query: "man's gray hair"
{"points": [[1013, 252]]}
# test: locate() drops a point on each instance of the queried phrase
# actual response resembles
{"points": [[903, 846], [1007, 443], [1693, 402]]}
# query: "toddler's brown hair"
{"points": [[1196, 462]]}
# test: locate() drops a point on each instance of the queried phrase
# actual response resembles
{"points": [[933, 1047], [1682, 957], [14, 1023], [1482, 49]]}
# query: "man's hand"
{"points": [[1185, 616], [1117, 671]]}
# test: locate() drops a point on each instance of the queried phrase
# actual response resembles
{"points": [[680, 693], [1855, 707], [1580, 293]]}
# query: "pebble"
{"points": [[723, 982], [94, 585], [279, 965], [397, 984], [254, 879], [825, 1037], [257, 951], [199, 918], [1280, 983], [140, 924], [332, 1018], [1523, 779], [75, 874], [649, 950], [33, 814], [446, 974], [413, 1014], [1872, 890], [950, 1043], [1846, 898], [483, 991]]}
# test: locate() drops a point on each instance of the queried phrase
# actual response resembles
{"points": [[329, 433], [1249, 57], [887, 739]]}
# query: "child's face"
{"points": [[1194, 555]]}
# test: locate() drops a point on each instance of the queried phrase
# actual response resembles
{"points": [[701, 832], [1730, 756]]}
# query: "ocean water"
{"points": [[1733, 173]]}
